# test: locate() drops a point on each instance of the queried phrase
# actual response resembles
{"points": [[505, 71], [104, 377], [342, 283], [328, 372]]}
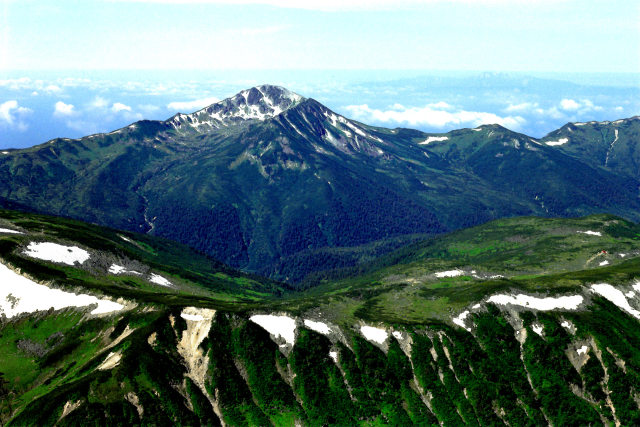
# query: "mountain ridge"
{"points": [[274, 175]]}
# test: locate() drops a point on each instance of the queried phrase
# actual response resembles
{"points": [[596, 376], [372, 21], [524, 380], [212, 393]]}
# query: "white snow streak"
{"points": [[591, 233], [159, 280], [561, 141], [20, 295], [548, 303], [433, 139], [6, 230]]}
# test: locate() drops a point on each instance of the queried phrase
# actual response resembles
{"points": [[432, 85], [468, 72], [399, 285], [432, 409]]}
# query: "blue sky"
{"points": [[497, 35], [72, 68]]}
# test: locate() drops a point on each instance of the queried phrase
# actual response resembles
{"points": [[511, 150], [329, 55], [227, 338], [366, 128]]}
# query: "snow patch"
{"points": [[376, 335], [280, 326], [319, 327], [460, 320], [56, 253], [6, 230], [548, 303], [630, 294], [537, 328], [582, 350], [159, 280], [605, 262], [334, 356], [433, 139], [590, 233], [116, 269], [450, 273], [20, 295], [615, 296], [560, 141]]}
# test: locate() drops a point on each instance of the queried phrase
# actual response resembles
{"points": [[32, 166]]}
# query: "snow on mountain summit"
{"points": [[257, 103]]}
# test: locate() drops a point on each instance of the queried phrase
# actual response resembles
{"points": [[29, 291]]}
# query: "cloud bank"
{"points": [[439, 115], [189, 106]]}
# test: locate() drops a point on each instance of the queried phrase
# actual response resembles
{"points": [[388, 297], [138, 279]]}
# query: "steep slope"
{"points": [[612, 145], [264, 178], [560, 347], [71, 253]]}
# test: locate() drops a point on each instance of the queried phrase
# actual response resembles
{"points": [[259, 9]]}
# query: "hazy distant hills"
{"points": [[263, 178]]}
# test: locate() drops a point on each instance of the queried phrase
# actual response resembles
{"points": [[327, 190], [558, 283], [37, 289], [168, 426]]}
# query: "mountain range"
{"points": [[273, 183]]}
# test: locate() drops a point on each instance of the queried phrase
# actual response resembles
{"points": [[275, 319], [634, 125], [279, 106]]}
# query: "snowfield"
{"points": [[159, 280], [615, 296], [376, 335], [20, 295], [319, 327], [543, 304], [279, 326], [54, 252], [450, 273]]}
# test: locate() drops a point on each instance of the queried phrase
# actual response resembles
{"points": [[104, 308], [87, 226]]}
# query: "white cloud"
{"points": [[431, 116], [63, 110], [99, 102], [12, 114], [188, 106], [118, 106], [522, 107], [619, 109], [569, 105], [440, 105], [52, 89]]}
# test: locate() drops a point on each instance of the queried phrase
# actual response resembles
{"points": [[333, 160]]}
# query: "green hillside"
{"points": [[554, 340]]}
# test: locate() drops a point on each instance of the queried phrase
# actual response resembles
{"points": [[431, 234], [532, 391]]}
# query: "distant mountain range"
{"points": [[271, 182]]}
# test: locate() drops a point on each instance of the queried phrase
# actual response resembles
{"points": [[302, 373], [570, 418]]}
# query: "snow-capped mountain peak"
{"points": [[257, 103]]}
